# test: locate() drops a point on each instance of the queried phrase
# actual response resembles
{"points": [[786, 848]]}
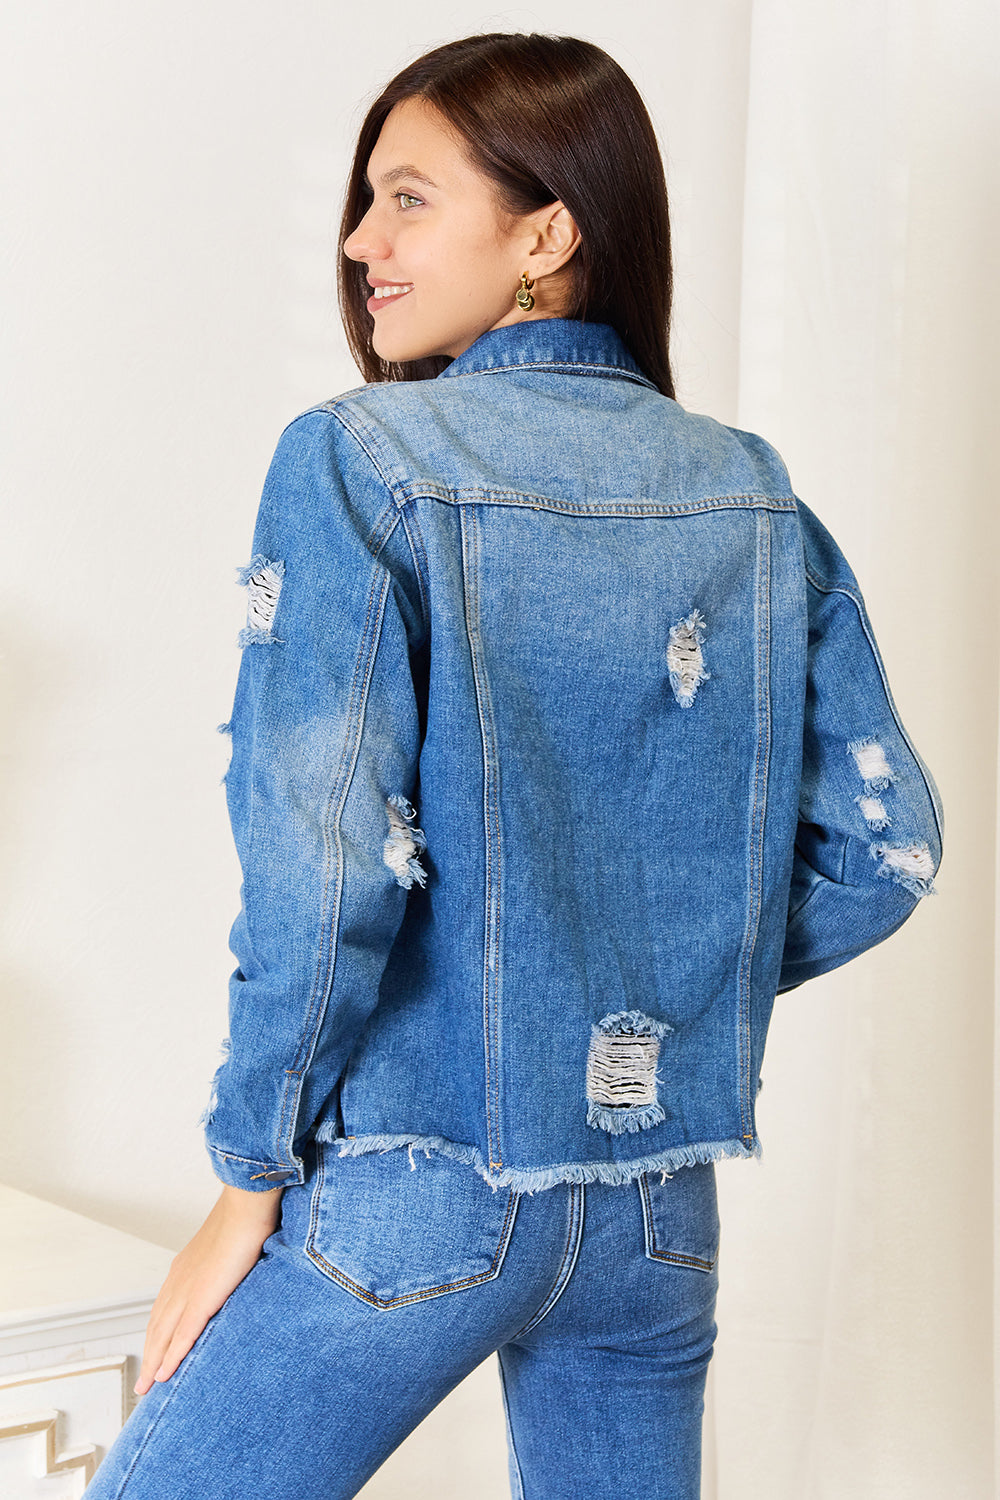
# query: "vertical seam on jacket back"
{"points": [[491, 821], [762, 624]]}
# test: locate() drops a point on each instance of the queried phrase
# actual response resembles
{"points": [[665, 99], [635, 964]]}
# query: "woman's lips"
{"points": [[377, 303]]}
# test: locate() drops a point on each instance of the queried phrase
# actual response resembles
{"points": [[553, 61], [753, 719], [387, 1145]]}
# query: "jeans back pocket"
{"points": [[399, 1226], [681, 1216]]}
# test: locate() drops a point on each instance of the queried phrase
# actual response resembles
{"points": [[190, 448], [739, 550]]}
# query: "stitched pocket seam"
{"points": [[669, 1257], [350, 1285]]}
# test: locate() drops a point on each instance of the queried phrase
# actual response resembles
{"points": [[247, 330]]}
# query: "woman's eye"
{"points": [[412, 197]]}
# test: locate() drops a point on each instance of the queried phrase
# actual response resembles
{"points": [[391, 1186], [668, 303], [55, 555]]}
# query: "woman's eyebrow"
{"points": [[404, 171]]}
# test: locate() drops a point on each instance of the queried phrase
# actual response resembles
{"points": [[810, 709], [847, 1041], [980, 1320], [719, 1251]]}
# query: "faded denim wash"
{"points": [[561, 744]]}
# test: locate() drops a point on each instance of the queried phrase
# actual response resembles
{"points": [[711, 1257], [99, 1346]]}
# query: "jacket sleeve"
{"points": [[325, 744], [870, 820]]}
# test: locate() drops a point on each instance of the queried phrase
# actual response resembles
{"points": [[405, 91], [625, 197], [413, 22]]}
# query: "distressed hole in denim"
{"points": [[621, 1072], [213, 1101], [622, 1069], [684, 657], [873, 811], [403, 843], [871, 763], [262, 579], [912, 865]]}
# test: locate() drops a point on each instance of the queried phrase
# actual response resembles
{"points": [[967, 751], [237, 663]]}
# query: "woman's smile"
{"points": [[386, 292]]}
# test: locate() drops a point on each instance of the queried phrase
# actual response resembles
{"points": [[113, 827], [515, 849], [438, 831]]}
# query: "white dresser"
{"points": [[74, 1299]]}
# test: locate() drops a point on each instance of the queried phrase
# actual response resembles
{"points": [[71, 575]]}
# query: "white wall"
{"points": [[855, 1307], [172, 189]]}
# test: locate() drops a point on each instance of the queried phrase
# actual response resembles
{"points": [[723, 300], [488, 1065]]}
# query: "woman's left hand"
{"points": [[203, 1274]]}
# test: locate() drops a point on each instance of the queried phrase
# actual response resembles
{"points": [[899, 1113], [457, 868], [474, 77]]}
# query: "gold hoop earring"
{"points": [[525, 300]]}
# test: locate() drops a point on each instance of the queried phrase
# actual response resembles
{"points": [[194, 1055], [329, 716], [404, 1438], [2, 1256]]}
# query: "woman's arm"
{"points": [[325, 734], [871, 823], [202, 1275]]}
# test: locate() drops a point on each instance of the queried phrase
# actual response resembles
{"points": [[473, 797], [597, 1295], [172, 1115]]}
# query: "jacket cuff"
{"points": [[254, 1176]]}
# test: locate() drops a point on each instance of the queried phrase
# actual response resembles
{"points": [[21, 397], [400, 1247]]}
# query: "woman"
{"points": [[561, 744]]}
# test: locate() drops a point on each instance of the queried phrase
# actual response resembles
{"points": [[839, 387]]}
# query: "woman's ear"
{"points": [[557, 236]]}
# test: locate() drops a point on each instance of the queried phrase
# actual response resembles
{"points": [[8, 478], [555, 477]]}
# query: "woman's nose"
{"points": [[366, 241]]}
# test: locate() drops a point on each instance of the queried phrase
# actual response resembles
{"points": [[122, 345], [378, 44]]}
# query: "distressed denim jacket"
{"points": [[561, 744]]}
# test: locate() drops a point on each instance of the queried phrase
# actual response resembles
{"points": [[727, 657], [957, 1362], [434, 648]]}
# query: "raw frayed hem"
{"points": [[617, 1120], [536, 1179], [251, 636]]}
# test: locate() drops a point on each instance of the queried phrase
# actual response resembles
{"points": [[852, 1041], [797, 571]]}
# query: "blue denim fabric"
{"points": [[562, 743], [599, 1300]]}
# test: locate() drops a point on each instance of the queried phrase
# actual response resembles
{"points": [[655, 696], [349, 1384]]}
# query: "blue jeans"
{"points": [[393, 1275]]}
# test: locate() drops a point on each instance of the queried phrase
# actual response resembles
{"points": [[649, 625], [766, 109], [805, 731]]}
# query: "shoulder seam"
{"points": [[826, 586], [385, 523]]}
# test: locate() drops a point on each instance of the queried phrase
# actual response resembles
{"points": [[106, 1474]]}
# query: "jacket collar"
{"points": [[550, 343]]}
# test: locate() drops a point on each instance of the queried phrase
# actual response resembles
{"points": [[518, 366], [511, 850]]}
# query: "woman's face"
{"points": [[434, 228]]}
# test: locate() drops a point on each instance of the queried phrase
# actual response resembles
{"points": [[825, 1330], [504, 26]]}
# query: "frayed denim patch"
{"points": [[873, 811], [404, 842], [870, 760], [206, 1115], [621, 1072], [262, 579], [911, 865], [684, 658]]}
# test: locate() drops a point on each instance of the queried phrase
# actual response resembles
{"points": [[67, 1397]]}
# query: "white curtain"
{"points": [[856, 1355]]}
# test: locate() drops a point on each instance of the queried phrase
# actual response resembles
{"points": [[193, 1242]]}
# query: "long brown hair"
{"points": [[543, 118]]}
